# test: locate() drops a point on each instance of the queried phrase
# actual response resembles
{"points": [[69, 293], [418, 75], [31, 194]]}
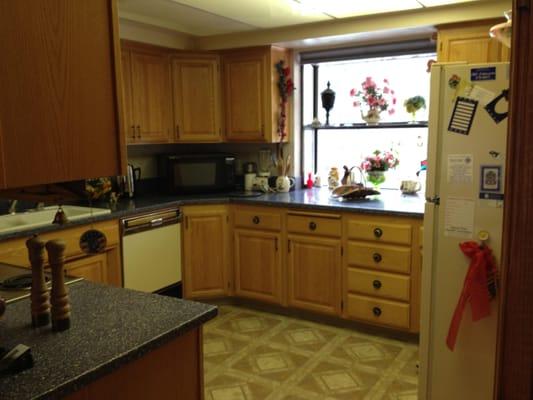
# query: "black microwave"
{"points": [[197, 173]]}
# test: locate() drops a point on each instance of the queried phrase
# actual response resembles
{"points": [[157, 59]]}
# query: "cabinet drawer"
{"points": [[378, 311], [257, 219], [379, 232], [379, 257], [314, 224], [380, 284]]}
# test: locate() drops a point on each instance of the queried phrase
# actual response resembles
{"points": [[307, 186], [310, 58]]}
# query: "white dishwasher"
{"points": [[151, 250]]}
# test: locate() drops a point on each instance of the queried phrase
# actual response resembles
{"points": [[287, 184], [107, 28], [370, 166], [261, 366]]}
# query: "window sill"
{"points": [[381, 125]]}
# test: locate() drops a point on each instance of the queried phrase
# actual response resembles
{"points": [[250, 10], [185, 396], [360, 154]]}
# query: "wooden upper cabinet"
{"points": [[60, 96], [251, 93], [196, 93], [470, 43], [151, 97], [129, 124]]}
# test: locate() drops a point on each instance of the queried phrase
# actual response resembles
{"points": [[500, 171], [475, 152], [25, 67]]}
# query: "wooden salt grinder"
{"points": [[40, 298], [60, 302]]}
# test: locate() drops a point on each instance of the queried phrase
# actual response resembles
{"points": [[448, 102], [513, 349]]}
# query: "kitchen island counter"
{"points": [[110, 328]]}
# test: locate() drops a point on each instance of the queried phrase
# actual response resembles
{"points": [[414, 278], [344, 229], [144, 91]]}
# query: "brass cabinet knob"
{"points": [[376, 311], [376, 284], [312, 225], [378, 232], [377, 257], [256, 220]]}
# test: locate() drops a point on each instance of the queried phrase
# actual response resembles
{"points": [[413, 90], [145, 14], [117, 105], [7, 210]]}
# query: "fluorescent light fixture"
{"points": [[433, 3], [352, 8]]}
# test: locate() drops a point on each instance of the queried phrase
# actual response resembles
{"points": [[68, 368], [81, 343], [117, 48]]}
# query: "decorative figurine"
{"points": [[333, 178], [328, 100]]}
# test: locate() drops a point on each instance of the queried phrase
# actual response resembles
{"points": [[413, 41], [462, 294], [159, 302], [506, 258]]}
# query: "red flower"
{"points": [[352, 92]]}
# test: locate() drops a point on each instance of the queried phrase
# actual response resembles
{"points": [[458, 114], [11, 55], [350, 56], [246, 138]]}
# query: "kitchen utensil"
{"points": [[60, 301], [409, 187], [40, 297], [133, 175], [350, 192], [249, 179], [265, 162], [284, 183]]}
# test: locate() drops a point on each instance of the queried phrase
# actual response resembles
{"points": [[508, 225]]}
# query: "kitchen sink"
{"points": [[37, 218]]}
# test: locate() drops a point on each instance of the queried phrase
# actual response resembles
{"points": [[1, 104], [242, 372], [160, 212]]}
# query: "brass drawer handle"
{"points": [[377, 257], [312, 225], [378, 232], [376, 311], [256, 220], [376, 284]]}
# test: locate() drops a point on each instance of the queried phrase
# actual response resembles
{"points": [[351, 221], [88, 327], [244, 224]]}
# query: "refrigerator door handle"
{"points": [[435, 200]]}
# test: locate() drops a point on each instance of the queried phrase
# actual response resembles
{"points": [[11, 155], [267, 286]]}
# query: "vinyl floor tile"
{"points": [[252, 355]]}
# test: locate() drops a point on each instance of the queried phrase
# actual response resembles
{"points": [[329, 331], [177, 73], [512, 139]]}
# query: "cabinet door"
{"points": [[205, 254], [258, 265], [151, 97], [93, 268], [129, 123], [314, 265], [196, 99], [59, 92], [245, 90], [471, 44]]}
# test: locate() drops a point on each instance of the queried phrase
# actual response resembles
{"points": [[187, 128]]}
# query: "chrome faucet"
{"points": [[12, 207]]}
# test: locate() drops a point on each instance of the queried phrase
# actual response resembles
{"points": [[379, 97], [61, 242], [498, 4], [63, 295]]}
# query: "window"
{"points": [[347, 139]]}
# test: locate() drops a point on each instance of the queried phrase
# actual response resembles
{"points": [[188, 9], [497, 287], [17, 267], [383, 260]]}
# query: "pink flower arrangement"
{"points": [[380, 161], [376, 98]]}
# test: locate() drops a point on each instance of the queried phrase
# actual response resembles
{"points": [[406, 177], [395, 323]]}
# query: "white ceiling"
{"points": [[214, 17]]}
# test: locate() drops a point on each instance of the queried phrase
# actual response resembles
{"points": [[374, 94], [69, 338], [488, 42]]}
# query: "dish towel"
{"points": [[478, 289]]}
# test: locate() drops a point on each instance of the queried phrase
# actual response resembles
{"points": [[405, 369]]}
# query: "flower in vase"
{"points": [[376, 98]]}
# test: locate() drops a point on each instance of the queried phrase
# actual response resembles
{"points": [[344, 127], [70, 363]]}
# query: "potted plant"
{"points": [[376, 100], [376, 165], [413, 104]]}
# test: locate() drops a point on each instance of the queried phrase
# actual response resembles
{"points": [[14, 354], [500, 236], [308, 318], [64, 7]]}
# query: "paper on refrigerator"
{"points": [[459, 217], [460, 168]]}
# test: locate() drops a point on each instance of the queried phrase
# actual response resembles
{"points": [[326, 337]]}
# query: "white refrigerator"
{"points": [[464, 202]]}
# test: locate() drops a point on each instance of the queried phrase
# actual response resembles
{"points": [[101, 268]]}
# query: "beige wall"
{"points": [[153, 35]]}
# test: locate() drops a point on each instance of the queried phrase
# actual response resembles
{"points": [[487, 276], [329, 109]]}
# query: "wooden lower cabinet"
{"points": [[314, 273], [382, 271], [206, 253], [103, 267], [257, 263], [172, 371]]}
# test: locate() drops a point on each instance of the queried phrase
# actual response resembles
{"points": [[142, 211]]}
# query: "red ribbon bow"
{"points": [[478, 289]]}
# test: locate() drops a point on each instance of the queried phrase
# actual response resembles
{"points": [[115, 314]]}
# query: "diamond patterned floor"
{"points": [[261, 356]]}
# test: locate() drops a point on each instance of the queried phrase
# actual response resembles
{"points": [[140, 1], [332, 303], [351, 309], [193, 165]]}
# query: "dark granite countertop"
{"points": [[389, 202], [109, 327]]}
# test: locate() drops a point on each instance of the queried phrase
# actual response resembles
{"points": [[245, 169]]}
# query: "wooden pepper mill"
{"points": [[60, 302], [40, 298]]}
